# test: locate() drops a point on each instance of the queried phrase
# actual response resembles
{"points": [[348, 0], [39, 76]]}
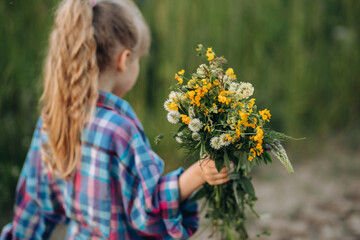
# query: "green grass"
{"points": [[301, 56]]}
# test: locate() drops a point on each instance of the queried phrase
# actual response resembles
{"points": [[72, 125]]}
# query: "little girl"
{"points": [[90, 164]]}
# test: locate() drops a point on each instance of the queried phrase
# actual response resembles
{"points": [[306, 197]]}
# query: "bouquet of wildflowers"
{"points": [[219, 119]]}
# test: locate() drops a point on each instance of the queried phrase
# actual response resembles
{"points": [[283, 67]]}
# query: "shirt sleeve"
{"points": [[33, 218], [152, 202]]}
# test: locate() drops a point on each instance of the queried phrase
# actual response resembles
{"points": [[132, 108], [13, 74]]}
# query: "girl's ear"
{"points": [[122, 59]]}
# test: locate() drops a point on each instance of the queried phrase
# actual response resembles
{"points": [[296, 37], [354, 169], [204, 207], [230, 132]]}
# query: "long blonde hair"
{"points": [[81, 46]]}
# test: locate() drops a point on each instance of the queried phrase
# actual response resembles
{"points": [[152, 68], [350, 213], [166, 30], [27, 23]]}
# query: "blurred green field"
{"points": [[301, 56]]}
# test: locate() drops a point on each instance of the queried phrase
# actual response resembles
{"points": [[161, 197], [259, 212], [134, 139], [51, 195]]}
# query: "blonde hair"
{"points": [[81, 46]]}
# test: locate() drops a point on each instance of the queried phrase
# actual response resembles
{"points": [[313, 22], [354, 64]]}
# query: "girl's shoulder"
{"points": [[114, 123], [114, 112]]}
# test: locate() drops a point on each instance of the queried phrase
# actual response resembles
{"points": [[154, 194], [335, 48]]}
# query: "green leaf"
{"points": [[229, 235], [226, 160], [182, 128], [198, 195], [240, 162], [197, 145], [267, 157], [201, 150], [234, 176], [247, 186], [219, 162], [158, 139], [235, 192]]}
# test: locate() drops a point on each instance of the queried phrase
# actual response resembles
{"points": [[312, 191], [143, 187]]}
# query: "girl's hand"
{"points": [[199, 173], [211, 175]]}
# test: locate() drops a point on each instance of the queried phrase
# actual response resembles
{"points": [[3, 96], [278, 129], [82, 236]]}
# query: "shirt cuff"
{"points": [[180, 219], [6, 232]]}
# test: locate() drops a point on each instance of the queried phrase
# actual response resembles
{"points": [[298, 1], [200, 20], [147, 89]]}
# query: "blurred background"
{"points": [[302, 58]]}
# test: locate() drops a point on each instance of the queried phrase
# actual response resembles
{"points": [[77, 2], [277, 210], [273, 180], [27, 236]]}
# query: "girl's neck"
{"points": [[106, 81]]}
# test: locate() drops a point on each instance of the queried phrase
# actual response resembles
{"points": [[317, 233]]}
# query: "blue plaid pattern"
{"points": [[117, 190]]}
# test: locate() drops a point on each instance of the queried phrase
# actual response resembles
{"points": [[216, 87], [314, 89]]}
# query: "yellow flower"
{"points": [[191, 94], [191, 82], [259, 146], [230, 72], [228, 100], [216, 82], [222, 99], [265, 114], [243, 116], [207, 128], [181, 72], [197, 100], [229, 138], [210, 54], [204, 81], [251, 103], [179, 78], [172, 106], [259, 135], [253, 152], [185, 119]]}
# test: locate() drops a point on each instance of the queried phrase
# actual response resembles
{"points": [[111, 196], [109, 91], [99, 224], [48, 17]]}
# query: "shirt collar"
{"points": [[118, 105]]}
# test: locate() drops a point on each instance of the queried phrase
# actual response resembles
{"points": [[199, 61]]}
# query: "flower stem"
{"points": [[217, 196]]}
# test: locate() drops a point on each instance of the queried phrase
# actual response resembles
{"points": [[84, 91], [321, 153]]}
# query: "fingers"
{"points": [[211, 174], [207, 163], [211, 164], [217, 176], [219, 181]]}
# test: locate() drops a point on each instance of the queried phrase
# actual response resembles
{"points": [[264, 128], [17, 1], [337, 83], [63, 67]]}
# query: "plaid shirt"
{"points": [[117, 191]]}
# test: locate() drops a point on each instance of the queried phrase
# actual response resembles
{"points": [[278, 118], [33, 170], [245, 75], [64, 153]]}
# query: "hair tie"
{"points": [[93, 3]]}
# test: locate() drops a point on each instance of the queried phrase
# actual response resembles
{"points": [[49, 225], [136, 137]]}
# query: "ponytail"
{"points": [[82, 44], [70, 85]]}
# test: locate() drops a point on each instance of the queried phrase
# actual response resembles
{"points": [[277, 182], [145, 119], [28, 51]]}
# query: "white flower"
{"points": [[227, 79], [195, 125], [196, 136], [245, 90], [224, 140], [216, 71], [215, 143], [234, 86], [175, 96], [178, 137], [201, 70], [166, 103], [173, 117]]}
